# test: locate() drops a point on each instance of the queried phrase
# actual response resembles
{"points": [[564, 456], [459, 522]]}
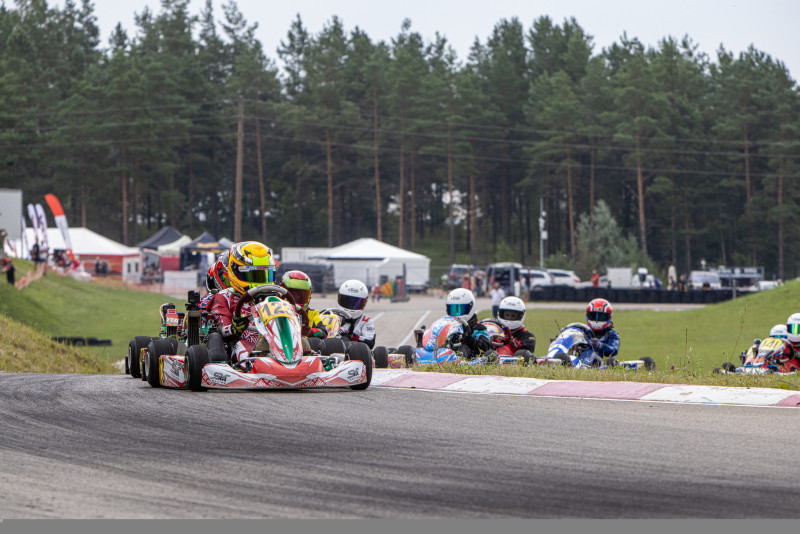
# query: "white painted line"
{"points": [[416, 325], [497, 384], [378, 316], [719, 394]]}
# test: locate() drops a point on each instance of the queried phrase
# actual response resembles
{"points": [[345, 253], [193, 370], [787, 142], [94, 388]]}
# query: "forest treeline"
{"points": [[695, 157]]}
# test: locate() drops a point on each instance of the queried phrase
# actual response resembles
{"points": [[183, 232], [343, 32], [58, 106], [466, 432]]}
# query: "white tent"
{"points": [[174, 248], [88, 246], [368, 260]]}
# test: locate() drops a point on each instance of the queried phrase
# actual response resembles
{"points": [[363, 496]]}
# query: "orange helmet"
{"points": [[598, 315], [250, 264]]}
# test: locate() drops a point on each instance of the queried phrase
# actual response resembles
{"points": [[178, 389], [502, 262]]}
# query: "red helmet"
{"points": [[598, 315]]}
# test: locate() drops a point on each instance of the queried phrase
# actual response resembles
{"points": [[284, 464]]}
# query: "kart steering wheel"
{"points": [[265, 290]]}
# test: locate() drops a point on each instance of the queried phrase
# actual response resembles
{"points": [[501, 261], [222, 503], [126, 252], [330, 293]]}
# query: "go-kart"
{"points": [[332, 319], [181, 329], [572, 347], [278, 361], [772, 355], [441, 343]]}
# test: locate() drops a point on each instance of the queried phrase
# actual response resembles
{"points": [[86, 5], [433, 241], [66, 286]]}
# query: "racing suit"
{"points": [[312, 323], [358, 329], [475, 338], [222, 307], [605, 343], [520, 338]]}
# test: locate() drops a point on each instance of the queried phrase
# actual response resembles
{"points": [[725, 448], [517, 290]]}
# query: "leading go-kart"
{"points": [[572, 347], [770, 356], [278, 361]]}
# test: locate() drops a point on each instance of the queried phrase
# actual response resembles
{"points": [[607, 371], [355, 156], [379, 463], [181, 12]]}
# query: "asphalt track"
{"points": [[75, 446]]}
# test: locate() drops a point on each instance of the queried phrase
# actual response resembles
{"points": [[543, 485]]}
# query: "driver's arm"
{"points": [[222, 309]]}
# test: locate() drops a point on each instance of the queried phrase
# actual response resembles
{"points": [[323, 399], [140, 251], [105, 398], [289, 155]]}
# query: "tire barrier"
{"points": [[84, 341], [638, 296]]}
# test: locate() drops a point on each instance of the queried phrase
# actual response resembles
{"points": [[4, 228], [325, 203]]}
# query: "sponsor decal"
{"points": [[219, 378]]}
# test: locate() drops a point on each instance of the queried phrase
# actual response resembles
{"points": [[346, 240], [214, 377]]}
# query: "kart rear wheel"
{"points": [[729, 367], [527, 356], [611, 361], [410, 355], [134, 353], [157, 348], [649, 364], [358, 351], [381, 356], [314, 343], [196, 359], [333, 345]]}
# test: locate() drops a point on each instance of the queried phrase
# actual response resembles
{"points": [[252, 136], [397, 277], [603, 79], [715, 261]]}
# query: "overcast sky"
{"points": [[770, 25]]}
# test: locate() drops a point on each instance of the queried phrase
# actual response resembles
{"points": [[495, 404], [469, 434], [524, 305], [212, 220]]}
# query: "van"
{"points": [[507, 275]]}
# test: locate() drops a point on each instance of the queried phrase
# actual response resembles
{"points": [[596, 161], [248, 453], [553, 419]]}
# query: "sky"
{"points": [[770, 25]]}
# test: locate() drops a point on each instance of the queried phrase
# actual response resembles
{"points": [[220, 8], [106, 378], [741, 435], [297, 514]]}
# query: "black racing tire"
{"points": [[360, 351], [564, 359], [174, 342], [612, 361], [314, 343], [527, 356], [196, 359], [649, 364], [157, 348], [409, 355], [381, 355], [333, 345], [729, 367], [132, 361]]}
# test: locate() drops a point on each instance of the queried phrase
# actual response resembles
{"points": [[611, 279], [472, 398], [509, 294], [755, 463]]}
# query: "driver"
{"points": [[250, 264], [605, 340], [299, 285], [460, 304], [511, 314], [353, 296]]}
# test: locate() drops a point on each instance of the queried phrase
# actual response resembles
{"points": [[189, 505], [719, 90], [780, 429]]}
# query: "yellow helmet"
{"points": [[250, 264]]}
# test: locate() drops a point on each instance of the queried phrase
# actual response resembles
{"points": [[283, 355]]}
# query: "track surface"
{"points": [[110, 446]]}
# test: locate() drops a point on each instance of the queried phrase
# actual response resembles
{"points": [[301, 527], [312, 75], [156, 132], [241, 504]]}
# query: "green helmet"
{"points": [[299, 285]]}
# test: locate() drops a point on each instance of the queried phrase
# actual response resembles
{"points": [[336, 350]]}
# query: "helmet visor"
{"points": [[793, 328], [255, 274], [301, 296], [352, 303], [510, 315], [598, 316], [458, 309]]}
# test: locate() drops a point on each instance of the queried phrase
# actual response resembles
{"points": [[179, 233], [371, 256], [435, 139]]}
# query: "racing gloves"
{"points": [[239, 324]]}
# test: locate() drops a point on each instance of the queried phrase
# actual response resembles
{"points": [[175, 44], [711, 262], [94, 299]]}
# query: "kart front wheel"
{"points": [[409, 354], [381, 356], [134, 354], [196, 359], [158, 347], [649, 364], [358, 351], [527, 356], [729, 367]]}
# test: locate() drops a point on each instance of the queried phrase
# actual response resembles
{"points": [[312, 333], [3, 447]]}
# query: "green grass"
{"points": [[23, 349], [57, 305]]}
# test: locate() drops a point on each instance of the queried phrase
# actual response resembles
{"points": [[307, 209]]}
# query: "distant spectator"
{"points": [[35, 253], [465, 282], [681, 283], [497, 295], [8, 267], [706, 286], [595, 278], [673, 285]]}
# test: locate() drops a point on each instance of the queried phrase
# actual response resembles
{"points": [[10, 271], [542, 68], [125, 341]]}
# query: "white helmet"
{"points": [[511, 313], [779, 330], [793, 328], [460, 304], [353, 296]]}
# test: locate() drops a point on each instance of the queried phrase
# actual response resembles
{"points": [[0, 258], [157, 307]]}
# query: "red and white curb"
{"points": [[507, 385]]}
